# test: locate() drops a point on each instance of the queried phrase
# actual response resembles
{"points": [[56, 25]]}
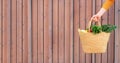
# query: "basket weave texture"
{"points": [[94, 43]]}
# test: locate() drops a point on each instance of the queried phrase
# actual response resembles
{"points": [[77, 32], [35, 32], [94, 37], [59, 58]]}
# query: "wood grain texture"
{"points": [[47, 31], [29, 31], [40, 32], [6, 41], [0, 31], [25, 31], [55, 31], [19, 32], [67, 31], [34, 30], [14, 31], [117, 33], [61, 31], [71, 31], [76, 35]]}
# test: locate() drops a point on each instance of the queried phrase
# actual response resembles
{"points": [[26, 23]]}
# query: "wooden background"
{"points": [[45, 31]]}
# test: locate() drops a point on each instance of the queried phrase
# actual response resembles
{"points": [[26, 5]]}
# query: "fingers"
{"points": [[95, 18]]}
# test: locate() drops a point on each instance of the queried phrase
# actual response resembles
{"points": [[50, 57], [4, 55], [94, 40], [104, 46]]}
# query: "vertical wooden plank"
{"points": [[47, 31], [82, 26], [119, 29], [0, 31], [55, 31], [71, 31], [9, 31], [6, 21], [51, 31], [34, 30], [67, 31], [88, 14], [98, 6], [14, 32], [29, 31], [40, 32], [117, 33], [76, 35], [112, 39], [19, 31], [25, 31], [61, 31]]}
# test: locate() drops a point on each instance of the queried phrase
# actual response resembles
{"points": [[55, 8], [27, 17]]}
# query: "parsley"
{"points": [[96, 29], [104, 28], [108, 28]]}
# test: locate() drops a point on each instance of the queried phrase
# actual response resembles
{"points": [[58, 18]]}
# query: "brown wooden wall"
{"points": [[45, 31]]}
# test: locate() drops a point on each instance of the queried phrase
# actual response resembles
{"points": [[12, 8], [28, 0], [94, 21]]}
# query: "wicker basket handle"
{"points": [[96, 23]]}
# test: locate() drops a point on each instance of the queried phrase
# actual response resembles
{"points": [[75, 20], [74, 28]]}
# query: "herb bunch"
{"points": [[104, 28], [108, 28], [96, 29]]}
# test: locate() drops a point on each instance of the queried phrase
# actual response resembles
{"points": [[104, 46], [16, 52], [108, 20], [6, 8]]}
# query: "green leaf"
{"points": [[108, 28], [96, 29]]}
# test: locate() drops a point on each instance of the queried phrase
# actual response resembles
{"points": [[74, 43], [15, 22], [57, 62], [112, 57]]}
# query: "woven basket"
{"points": [[94, 43]]}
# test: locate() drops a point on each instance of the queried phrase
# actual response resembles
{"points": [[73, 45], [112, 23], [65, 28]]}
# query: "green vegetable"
{"points": [[108, 28], [104, 28], [96, 29]]}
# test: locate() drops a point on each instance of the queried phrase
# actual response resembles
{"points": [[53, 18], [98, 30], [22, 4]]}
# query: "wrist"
{"points": [[101, 12]]}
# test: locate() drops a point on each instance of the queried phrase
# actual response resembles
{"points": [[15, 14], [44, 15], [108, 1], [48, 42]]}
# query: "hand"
{"points": [[96, 18], [98, 15]]}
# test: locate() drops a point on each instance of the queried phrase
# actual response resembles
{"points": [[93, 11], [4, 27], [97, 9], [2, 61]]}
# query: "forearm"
{"points": [[104, 8], [101, 12]]}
